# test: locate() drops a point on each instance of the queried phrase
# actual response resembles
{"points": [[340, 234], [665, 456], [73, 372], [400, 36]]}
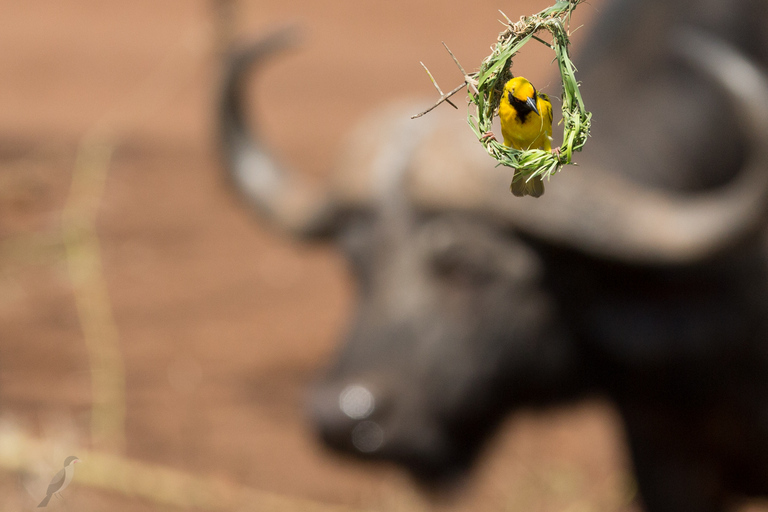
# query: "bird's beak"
{"points": [[531, 102]]}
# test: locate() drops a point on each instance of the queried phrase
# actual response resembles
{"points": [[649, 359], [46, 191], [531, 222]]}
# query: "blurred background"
{"points": [[150, 326]]}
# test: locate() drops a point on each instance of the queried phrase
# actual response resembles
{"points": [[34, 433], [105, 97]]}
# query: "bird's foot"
{"points": [[487, 136]]}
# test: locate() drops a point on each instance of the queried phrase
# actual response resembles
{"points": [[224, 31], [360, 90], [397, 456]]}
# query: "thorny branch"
{"points": [[440, 91], [442, 99], [469, 81]]}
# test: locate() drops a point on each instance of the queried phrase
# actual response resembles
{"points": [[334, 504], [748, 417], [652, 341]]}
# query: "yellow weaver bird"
{"points": [[526, 123]]}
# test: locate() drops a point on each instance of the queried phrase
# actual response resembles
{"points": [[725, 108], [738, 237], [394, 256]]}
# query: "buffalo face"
{"points": [[452, 326]]}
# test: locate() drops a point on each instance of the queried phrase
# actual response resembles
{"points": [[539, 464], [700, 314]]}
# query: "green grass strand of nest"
{"points": [[494, 73]]}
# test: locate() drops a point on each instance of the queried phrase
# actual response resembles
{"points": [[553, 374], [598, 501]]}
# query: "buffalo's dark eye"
{"points": [[462, 265]]}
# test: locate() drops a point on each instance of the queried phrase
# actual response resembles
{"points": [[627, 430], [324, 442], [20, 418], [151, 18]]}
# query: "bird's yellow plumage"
{"points": [[526, 123]]}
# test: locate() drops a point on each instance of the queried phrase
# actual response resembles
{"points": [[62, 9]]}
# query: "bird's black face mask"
{"points": [[523, 108]]}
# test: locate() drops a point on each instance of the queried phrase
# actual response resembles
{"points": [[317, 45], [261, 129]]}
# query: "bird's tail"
{"points": [[45, 501], [533, 187]]}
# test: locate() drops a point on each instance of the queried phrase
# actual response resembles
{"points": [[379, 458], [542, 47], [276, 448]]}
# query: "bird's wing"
{"points": [[56, 482], [548, 113], [549, 118]]}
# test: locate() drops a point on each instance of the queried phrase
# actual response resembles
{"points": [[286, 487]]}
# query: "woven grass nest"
{"points": [[485, 86]]}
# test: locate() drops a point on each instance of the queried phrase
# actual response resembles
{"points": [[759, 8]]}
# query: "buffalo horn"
{"points": [[285, 199]]}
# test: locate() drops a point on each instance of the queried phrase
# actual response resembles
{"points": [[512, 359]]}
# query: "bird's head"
{"points": [[519, 91], [70, 460]]}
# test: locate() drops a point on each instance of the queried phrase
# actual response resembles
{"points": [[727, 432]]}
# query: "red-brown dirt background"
{"points": [[221, 323]]}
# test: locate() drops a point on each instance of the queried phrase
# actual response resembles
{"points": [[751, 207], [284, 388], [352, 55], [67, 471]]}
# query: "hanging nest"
{"points": [[494, 73], [485, 91]]}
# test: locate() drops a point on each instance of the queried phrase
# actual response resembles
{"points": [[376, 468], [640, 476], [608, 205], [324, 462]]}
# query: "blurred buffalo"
{"points": [[639, 276]]}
